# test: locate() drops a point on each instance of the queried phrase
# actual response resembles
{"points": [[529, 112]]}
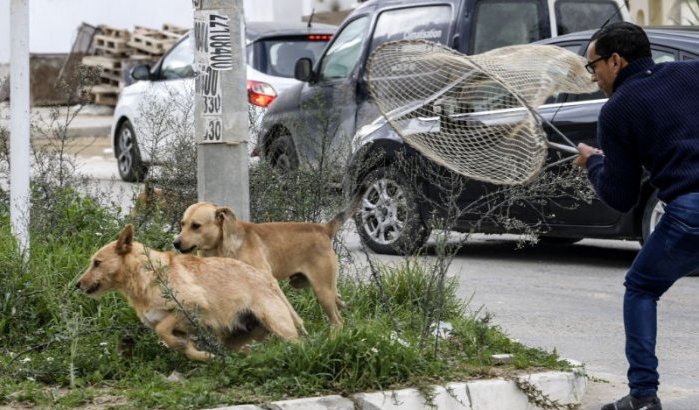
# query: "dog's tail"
{"points": [[336, 223]]}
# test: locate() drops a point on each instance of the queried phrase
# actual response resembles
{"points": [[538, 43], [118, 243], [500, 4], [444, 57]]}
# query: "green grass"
{"points": [[61, 349]]}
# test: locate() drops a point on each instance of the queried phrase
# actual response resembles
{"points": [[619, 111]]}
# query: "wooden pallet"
{"points": [[105, 94], [145, 58], [174, 28], [105, 62], [143, 30], [113, 46], [153, 43], [112, 77], [113, 32], [173, 32]]}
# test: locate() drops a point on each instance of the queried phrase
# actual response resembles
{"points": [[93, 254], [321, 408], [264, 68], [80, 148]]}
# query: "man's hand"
{"points": [[586, 152]]}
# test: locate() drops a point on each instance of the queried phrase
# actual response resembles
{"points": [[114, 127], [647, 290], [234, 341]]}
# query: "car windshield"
{"points": [[278, 57]]}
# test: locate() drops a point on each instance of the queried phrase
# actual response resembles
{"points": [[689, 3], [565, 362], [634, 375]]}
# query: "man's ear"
{"points": [[618, 62], [125, 241]]}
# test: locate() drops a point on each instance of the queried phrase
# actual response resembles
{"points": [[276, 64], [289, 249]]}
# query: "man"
{"points": [[650, 121]]}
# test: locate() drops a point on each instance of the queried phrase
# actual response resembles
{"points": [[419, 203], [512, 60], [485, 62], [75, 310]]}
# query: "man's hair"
{"points": [[626, 39]]}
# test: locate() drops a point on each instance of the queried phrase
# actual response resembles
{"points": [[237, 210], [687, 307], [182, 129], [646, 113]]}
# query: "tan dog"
{"points": [[299, 251], [235, 301]]}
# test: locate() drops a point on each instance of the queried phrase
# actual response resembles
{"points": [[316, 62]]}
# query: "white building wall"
{"points": [[327, 5], [663, 12]]}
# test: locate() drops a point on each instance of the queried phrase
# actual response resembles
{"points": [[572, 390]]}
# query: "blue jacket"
{"points": [[651, 121]]}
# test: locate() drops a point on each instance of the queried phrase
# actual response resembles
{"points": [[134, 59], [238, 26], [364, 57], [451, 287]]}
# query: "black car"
{"points": [[326, 110], [396, 209]]}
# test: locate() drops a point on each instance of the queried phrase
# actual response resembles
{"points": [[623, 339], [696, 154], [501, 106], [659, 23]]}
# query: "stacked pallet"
{"points": [[118, 50]]}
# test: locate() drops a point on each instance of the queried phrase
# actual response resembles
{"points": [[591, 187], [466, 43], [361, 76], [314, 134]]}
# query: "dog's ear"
{"points": [[125, 241], [225, 218], [224, 215]]}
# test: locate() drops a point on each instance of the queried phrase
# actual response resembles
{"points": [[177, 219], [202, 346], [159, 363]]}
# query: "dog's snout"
{"points": [[77, 286], [177, 243]]}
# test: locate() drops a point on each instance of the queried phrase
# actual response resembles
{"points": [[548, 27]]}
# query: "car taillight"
{"points": [[260, 94]]}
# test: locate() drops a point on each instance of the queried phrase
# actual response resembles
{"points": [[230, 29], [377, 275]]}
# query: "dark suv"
{"points": [[395, 210], [333, 103]]}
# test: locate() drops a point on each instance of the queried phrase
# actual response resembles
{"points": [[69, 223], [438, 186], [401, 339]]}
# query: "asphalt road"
{"points": [[567, 298]]}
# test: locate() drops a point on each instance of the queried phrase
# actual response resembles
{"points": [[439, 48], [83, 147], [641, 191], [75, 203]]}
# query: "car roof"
{"points": [[388, 3], [372, 5], [685, 38], [255, 30]]}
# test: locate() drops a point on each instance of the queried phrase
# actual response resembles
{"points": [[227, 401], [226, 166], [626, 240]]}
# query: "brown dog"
{"points": [[235, 301], [299, 251]]}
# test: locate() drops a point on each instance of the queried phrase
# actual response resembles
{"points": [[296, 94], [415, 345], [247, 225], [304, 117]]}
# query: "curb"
{"points": [[563, 388]]}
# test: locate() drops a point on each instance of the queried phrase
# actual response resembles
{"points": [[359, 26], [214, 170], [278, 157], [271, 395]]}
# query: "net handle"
{"points": [[562, 147]]}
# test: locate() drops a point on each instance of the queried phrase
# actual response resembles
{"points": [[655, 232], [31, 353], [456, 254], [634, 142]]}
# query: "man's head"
{"points": [[612, 48]]}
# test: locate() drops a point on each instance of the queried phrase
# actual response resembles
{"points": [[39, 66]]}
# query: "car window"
{"points": [[578, 15], [500, 23], [178, 63], [278, 56], [523, 23], [343, 55], [689, 57], [663, 56], [659, 56], [560, 97], [428, 23]]}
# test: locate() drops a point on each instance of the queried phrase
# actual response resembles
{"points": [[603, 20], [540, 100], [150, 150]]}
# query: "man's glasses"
{"points": [[590, 67]]}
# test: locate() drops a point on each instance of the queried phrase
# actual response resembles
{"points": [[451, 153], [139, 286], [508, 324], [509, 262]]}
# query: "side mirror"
{"points": [[141, 72], [303, 69]]}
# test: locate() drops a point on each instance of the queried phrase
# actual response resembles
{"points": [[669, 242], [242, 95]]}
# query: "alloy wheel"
{"points": [[383, 212], [125, 155]]}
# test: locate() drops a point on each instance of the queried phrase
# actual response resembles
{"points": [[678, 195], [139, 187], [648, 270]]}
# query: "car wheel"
{"points": [[282, 154], [389, 220], [554, 240], [131, 168], [652, 213]]}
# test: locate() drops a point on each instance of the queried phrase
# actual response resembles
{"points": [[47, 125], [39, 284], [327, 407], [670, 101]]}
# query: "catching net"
{"points": [[473, 114]]}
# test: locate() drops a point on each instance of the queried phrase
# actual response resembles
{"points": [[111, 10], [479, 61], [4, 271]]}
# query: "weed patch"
{"points": [[62, 349]]}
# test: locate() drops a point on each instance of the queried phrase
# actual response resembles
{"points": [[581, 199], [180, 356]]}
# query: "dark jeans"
{"points": [[671, 252]]}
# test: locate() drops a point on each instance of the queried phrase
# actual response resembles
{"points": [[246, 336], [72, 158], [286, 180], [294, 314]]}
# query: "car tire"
{"points": [[652, 212], [131, 168], [388, 220], [282, 155], [555, 240]]}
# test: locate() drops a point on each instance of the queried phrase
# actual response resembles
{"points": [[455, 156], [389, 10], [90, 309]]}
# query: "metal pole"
{"points": [[221, 108], [19, 122]]}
